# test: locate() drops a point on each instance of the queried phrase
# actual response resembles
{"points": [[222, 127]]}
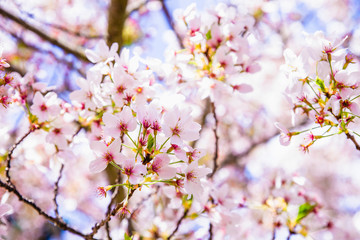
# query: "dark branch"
{"points": [[233, 158], [210, 231], [9, 156], [116, 22], [179, 223], [352, 138], [56, 191], [43, 35], [68, 63], [31, 203], [216, 154], [108, 217], [171, 22], [205, 112]]}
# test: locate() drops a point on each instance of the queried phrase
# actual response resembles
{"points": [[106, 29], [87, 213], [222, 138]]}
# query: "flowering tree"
{"points": [[101, 140]]}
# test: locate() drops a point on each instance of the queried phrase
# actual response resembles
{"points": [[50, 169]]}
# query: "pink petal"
{"points": [[5, 209], [97, 165]]}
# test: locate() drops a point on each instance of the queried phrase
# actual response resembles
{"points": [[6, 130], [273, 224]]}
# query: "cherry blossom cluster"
{"points": [[131, 130], [216, 54], [324, 86]]}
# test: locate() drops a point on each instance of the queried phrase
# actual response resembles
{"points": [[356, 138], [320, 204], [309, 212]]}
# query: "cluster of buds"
{"points": [[324, 85]]}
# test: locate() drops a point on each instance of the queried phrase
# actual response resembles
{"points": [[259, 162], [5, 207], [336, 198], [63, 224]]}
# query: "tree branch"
{"points": [[108, 217], [216, 154], [352, 138], [31, 203], [56, 191], [171, 22], [233, 158], [9, 156], [67, 63], [116, 21], [43, 35], [179, 223]]}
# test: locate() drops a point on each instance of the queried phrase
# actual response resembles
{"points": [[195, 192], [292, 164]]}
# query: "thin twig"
{"points": [[210, 231], [115, 193], [108, 217], [63, 28], [171, 22], [205, 112], [274, 233], [233, 158], [56, 191], [352, 138], [290, 234], [32, 204], [179, 223], [136, 8], [9, 156], [43, 35], [137, 208], [67, 63], [113, 198], [216, 154]]}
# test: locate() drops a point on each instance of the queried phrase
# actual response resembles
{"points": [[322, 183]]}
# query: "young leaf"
{"points": [[127, 237], [304, 210], [208, 35], [321, 84], [150, 143]]}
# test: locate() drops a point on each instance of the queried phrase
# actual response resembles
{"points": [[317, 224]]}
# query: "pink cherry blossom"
{"points": [[193, 175], [89, 92], [161, 166], [3, 63], [120, 123], [102, 53], [105, 154], [60, 133], [45, 107], [149, 116], [179, 126], [285, 135], [122, 84], [134, 171]]}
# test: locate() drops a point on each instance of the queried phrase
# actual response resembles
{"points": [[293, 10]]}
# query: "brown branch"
{"points": [[117, 195], [216, 154], [179, 223], [67, 63], [114, 196], [12, 189], [56, 191], [116, 22], [9, 156], [205, 112], [136, 8], [108, 217], [233, 158], [137, 208], [273, 233], [171, 22], [210, 231], [43, 35], [352, 138]]}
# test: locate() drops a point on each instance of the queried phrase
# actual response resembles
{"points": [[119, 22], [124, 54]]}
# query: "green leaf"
{"points": [[208, 35], [304, 210], [321, 84], [127, 237], [150, 143]]}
